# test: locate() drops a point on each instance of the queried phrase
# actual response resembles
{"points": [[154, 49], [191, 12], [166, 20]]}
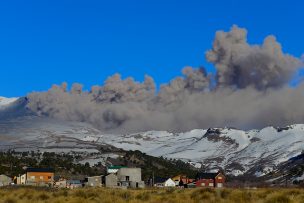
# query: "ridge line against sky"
{"points": [[48, 42]]}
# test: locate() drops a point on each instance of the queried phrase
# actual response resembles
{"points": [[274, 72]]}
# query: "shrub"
{"points": [[80, 193], [105, 195], [43, 196], [145, 196], [125, 195], [10, 200], [224, 193], [278, 198]]}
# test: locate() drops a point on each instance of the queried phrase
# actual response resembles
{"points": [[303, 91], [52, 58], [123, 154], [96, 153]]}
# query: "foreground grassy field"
{"points": [[15, 195]]}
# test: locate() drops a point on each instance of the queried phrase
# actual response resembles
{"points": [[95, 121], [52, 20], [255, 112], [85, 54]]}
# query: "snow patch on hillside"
{"points": [[236, 151], [5, 102]]}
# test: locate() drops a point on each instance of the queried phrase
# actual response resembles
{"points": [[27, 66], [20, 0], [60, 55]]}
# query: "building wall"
{"points": [[73, 186], [220, 180], [61, 184], [111, 180], [21, 180], [5, 180], [94, 181], [134, 174], [169, 183], [205, 183], [39, 177], [140, 184]]}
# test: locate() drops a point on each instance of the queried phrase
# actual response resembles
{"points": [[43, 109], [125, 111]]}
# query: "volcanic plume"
{"points": [[249, 90]]}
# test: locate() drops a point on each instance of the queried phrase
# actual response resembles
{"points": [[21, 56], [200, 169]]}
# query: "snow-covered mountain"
{"points": [[235, 150], [5, 102], [238, 152]]}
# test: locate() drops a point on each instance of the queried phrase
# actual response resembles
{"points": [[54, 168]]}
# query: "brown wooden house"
{"points": [[210, 180]]}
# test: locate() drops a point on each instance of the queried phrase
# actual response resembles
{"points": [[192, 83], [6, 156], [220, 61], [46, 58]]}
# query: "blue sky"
{"points": [[47, 42]]}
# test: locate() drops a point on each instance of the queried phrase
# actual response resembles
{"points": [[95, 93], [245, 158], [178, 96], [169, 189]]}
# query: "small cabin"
{"points": [[214, 180]]}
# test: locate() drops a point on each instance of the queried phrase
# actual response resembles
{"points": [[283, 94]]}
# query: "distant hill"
{"points": [[255, 153]]}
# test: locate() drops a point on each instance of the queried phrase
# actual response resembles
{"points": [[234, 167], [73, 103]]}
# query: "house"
{"points": [[114, 169], [21, 179], [125, 177], [169, 183], [40, 176], [71, 184], [210, 180], [5, 180], [60, 182], [95, 181], [182, 180], [163, 182], [130, 177]]}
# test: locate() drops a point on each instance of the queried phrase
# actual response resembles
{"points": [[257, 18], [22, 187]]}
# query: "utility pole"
{"points": [[286, 180], [153, 179]]}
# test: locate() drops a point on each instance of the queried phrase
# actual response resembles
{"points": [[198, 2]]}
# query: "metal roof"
{"points": [[41, 170], [206, 175], [116, 167]]}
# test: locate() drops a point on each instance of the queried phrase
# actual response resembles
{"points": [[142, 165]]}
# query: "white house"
{"points": [[21, 179], [169, 183], [164, 182]]}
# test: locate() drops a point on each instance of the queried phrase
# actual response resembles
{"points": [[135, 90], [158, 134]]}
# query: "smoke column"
{"points": [[251, 91]]}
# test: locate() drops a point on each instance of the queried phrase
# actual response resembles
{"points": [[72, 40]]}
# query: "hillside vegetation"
{"points": [[67, 165]]}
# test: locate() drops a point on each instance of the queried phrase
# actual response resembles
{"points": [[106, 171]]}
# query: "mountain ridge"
{"points": [[238, 152]]}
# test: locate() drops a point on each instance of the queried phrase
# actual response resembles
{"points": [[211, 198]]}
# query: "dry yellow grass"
{"points": [[103, 195]]}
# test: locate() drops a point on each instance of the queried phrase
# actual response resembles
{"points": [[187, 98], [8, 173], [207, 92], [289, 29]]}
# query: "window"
{"points": [[211, 184], [127, 178], [203, 184], [220, 178], [41, 177], [49, 177], [33, 177], [219, 185]]}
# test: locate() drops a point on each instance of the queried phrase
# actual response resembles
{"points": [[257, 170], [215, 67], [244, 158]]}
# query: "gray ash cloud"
{"points": [[251, 91]]}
